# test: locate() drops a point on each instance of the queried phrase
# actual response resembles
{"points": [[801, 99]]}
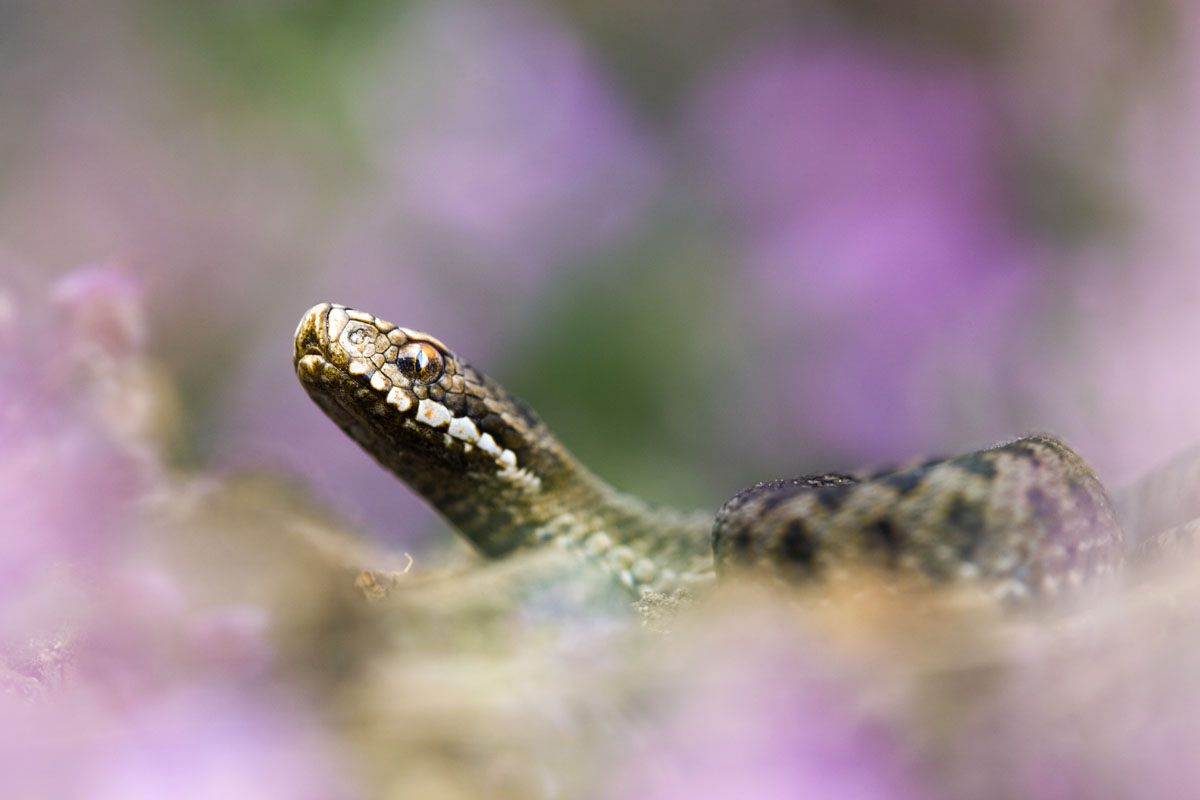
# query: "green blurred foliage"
{"points": [[631, 358]]}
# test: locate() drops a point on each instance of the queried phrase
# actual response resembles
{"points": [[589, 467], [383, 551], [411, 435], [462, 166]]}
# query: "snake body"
{"points": [[1028, 517]]}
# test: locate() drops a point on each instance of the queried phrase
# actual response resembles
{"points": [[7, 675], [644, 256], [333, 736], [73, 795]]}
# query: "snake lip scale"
{"points": [[1024, 518]]}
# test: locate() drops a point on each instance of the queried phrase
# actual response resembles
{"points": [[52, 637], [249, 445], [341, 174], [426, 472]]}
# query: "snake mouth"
{"points": [[311, 366]]}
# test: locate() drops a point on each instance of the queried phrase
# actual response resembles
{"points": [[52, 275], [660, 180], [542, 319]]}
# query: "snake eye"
{"points": [[420, 362]]}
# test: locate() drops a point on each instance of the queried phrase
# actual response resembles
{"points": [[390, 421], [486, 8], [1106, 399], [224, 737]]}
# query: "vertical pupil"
{"points": [[420, 362]]}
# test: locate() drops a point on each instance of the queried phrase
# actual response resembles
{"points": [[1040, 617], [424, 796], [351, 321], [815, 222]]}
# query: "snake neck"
{"points": [[555, 500]]}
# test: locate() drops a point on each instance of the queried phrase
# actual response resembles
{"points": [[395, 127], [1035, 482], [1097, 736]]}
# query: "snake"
{"points": [[1026, 518]]}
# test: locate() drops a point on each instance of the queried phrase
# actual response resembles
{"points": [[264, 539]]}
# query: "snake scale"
{"points": [[1027, 518]]}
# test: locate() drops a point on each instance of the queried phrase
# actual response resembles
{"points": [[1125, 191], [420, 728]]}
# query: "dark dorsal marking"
{"points": [[831, 497], [785, 490], [905, 482], [966, 519], [980, 464], [742, 540], [885, 535], [1027, 452], [799, 548]]}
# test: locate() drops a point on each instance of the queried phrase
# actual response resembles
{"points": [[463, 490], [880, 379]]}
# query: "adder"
{"points": [[1025, 519]]}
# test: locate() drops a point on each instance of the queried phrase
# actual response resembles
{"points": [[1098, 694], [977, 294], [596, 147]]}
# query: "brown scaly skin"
{"points": [[1027, 517], [1024, 518]]}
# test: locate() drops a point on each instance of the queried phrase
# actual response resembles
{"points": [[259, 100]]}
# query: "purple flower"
{"points": [[104, 306], [500, 138], [754, 715], [67, 481], [876, 249], [65, 494], [106, 663], [201, 743], [1103, 706], [197, 742]]}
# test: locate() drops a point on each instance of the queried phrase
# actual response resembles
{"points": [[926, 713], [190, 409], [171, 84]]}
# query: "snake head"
{"points": [[382, 382], [453, 434]]}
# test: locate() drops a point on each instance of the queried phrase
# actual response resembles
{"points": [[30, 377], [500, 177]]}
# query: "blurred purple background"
{"points": [[881, 234], [711, 242]]}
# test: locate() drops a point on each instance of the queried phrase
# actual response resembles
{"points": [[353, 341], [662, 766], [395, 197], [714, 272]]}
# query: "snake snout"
{"points": [[312, 334]]}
